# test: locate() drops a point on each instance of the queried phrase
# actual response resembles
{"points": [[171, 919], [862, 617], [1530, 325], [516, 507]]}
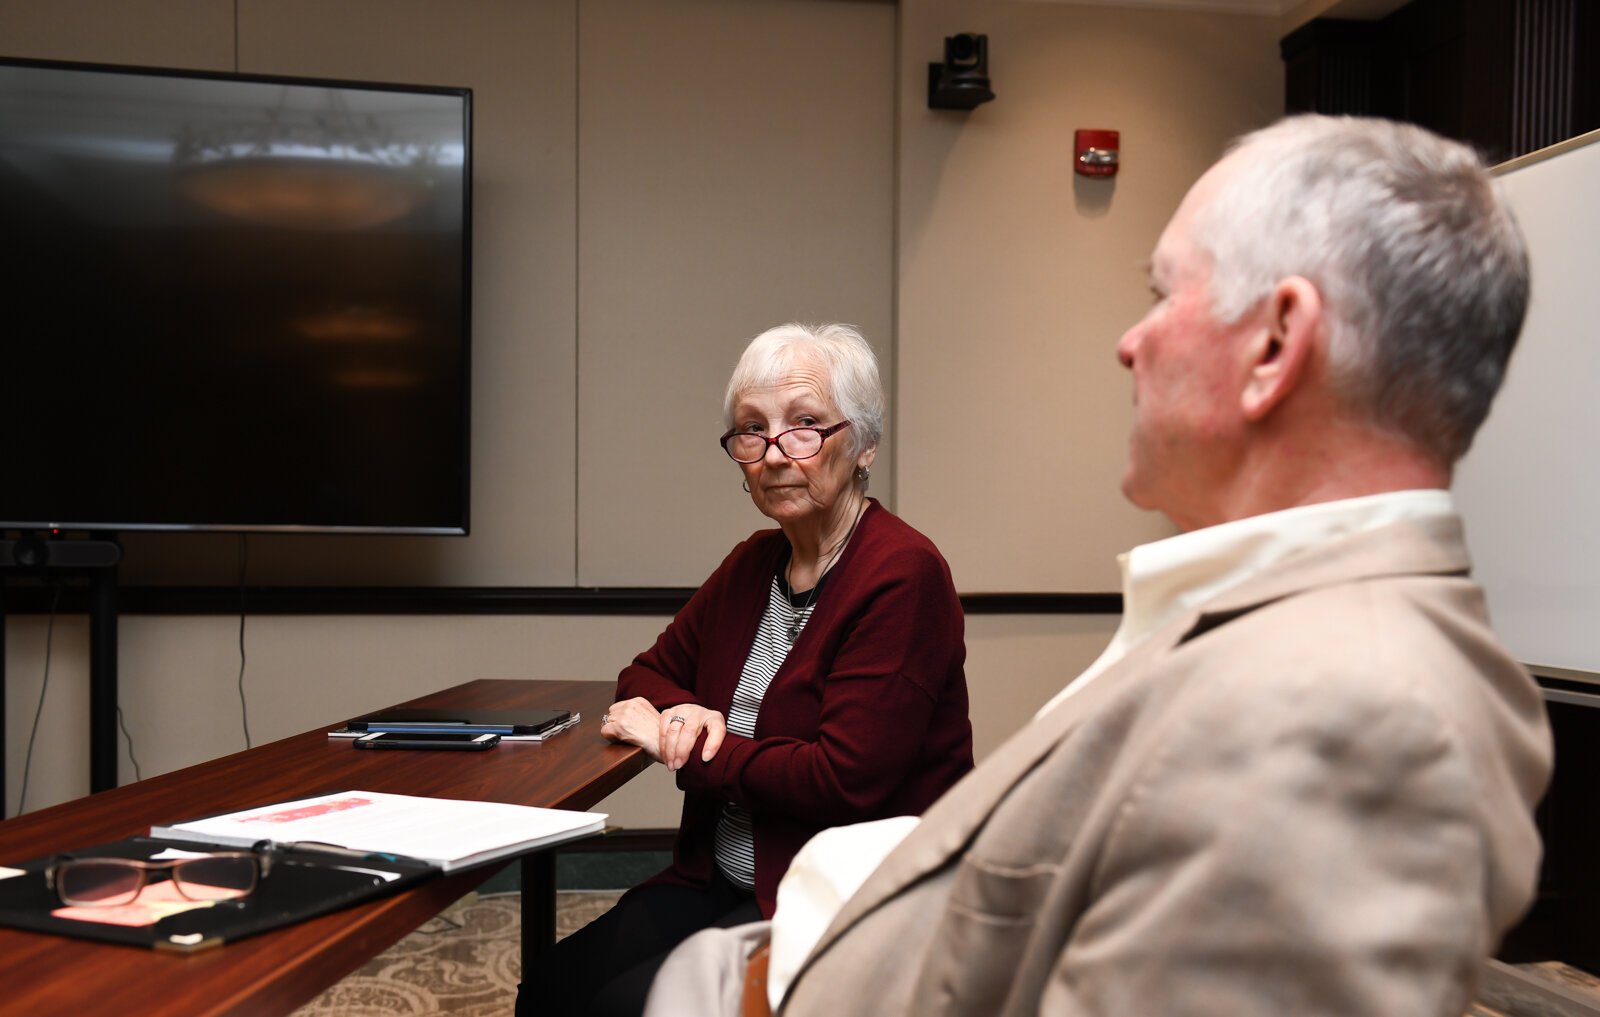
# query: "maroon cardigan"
{"points": [[867, 717]]}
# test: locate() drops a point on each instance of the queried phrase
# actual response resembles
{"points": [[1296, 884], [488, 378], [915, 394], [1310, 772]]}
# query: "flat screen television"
{"points": [[232, 302]]}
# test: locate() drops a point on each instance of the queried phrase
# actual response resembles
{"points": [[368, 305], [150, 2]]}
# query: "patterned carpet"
{"points": [[466, 962]]}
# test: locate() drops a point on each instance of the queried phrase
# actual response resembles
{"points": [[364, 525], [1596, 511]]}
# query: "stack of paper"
{"points": [[445, 832]]}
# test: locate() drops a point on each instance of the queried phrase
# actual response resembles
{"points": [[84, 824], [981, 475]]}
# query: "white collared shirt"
{"points": [[1160, 580]]}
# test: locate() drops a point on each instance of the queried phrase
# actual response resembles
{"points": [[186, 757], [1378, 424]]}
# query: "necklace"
{"points": [[811, 601]]}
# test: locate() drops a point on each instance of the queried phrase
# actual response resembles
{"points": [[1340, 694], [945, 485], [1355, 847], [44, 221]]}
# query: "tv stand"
{"points": [[97, 560]]}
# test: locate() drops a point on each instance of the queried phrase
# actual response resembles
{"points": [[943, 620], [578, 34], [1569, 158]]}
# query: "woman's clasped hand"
{"points": [[667, 735]]}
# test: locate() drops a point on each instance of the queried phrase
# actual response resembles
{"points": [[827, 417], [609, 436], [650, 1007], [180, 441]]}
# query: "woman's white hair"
{"points": [[846, 357], [1413, 246]]}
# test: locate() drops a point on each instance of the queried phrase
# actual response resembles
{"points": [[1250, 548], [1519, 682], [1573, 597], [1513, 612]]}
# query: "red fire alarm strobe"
{"points": [[1096, 153]]}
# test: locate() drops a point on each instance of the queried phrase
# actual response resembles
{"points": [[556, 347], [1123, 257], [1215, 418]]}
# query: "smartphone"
{"points": [[464, 742]]}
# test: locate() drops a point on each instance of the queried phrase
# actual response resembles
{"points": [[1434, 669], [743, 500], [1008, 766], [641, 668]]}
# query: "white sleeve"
{"points": [[825, 873]]}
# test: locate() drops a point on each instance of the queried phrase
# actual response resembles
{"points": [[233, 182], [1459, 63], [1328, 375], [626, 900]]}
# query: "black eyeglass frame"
{"points": [[823, 434], [262, 857]]}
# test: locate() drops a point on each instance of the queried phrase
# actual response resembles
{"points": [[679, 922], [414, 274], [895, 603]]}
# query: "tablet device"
{"points": [[461, 741], [446, 721]]}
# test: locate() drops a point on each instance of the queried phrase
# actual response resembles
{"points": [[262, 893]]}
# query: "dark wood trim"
{"points": [[620, 838], [1041, 603], [29, 597]]}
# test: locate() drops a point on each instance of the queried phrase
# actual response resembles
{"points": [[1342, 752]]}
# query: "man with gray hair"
{"points": [[1300, 779]]}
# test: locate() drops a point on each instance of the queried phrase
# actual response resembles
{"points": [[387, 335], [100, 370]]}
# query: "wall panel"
{"points": [[1017, 277], [736, 171], [192, 34], [181, 695]]}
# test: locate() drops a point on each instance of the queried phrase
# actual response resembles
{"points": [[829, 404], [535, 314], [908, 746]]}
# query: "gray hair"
{"points": [[852, 370], [1415, 251]]}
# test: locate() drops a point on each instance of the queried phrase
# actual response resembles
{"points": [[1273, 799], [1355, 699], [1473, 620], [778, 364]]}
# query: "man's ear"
{"points": [[1282, 351]]}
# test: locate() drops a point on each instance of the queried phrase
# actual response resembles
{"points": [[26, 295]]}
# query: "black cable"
{"points": [[244, 706], [44, 686], [129, 738]]}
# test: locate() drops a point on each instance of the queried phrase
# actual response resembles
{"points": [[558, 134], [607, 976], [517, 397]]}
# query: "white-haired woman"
{"points": [[814, 679]]}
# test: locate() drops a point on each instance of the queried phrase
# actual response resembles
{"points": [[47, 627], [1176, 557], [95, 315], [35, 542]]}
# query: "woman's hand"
{"points": [[681, 726], [667, 735], [635, 722]]}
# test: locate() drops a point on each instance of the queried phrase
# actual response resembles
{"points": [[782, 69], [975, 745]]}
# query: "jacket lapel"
{"points": [[950, 823]]}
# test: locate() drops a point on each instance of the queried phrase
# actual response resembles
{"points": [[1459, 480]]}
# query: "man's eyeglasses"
{"points": [[796, 443], [107, 882]]}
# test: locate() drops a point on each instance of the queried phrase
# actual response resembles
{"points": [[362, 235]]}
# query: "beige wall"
{"points": [[730, 179], [630, 231], [1017, 277], [180, 688]]}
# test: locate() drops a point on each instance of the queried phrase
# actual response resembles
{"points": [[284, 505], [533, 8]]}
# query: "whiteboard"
{"points": [[1530, 487]]}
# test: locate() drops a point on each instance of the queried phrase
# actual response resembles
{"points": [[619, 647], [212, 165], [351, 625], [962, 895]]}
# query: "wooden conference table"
{"points": [[275, 972]]}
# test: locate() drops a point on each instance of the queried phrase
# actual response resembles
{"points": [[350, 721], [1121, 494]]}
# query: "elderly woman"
{"points": [[814, 679]]}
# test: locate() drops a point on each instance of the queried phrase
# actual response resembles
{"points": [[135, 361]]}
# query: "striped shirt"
{"points": [[735, 837]]}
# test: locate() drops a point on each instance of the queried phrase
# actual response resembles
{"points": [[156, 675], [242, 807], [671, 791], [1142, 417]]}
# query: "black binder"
{"points": [[303, 884]]}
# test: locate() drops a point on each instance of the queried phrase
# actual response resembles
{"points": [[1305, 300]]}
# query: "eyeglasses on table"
{"points": [[108, 882]]}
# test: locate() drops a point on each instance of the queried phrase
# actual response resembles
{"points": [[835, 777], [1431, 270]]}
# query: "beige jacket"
{"points": [[1313, 796]]}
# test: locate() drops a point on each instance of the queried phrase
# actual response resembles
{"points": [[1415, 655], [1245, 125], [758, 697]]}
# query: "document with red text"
{"points": [[445, 832]]}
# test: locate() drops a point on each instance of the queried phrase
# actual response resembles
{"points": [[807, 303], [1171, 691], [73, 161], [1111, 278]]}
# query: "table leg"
{"points": [[103, 679], [538, 906]]}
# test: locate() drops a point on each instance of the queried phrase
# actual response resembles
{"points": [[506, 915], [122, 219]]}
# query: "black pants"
{"points": [[605, 968]]}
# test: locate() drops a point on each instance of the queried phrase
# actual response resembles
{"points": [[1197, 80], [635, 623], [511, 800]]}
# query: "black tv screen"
{"points": [[232, 302]]}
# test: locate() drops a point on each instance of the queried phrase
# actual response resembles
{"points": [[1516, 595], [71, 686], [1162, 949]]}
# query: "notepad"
{"points": [[447, 833]]}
